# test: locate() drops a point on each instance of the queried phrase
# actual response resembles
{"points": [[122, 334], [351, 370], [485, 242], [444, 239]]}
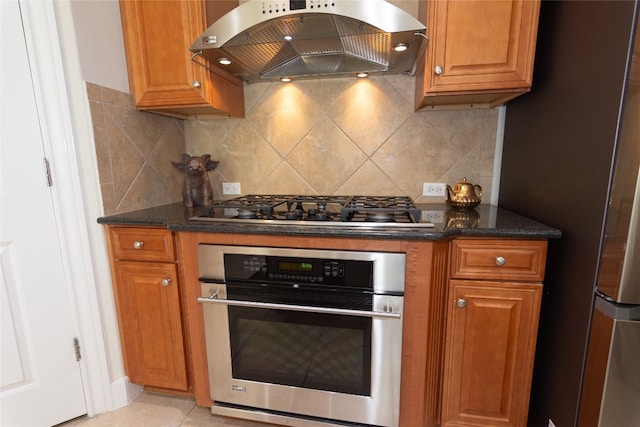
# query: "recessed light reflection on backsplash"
{"points": [[362, 103], [287, 104]]}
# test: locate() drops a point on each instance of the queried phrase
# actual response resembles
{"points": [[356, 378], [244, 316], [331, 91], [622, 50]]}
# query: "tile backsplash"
{"points": [[134, 151], [329, 136], [345, 136]]}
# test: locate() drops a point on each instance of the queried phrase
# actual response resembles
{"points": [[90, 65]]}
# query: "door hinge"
{"points": [[76, 348], [47, 172]]}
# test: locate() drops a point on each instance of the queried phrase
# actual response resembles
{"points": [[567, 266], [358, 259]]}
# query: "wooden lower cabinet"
{"points": [[493, 308], [491, 337], [148, 304], [151, 326], [479, 296]]}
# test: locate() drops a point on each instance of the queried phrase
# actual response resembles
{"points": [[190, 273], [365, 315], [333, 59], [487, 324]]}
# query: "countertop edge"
{"points": [[486, 221]]}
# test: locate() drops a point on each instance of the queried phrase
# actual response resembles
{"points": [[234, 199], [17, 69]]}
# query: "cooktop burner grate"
{"points": [[251, 206], [376, 208], [332, 210]]}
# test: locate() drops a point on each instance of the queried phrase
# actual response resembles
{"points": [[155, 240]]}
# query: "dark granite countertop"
{"points": [[482, 221]]}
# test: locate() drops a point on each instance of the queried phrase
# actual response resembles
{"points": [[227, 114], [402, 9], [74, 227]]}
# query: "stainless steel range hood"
{"points": [[272, 39]]}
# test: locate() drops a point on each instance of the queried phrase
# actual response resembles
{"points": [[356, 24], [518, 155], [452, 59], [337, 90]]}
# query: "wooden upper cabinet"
{"points": [[480, 52], [162, 77]]}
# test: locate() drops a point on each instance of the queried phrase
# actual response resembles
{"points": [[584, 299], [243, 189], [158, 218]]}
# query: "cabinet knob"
{"points": [[196, 84], [438, 70], [138, 244], [461, 303], [166, 281], [500, 261]]}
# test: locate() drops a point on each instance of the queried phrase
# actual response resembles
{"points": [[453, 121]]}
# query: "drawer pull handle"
{"points": [[500, 261], [438, 70], [138, 244], [166, 282], [461, 303]]}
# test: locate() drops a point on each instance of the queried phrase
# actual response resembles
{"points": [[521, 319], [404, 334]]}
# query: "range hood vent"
{"points": [[272, 39]]}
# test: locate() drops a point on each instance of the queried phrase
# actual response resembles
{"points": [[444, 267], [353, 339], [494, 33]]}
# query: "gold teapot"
{"points": [[464, 195]]}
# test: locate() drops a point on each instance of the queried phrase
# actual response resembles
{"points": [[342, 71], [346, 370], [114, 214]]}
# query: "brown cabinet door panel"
{"points": [[148, 305], [491, 335], [486, 44], [158, 33]]}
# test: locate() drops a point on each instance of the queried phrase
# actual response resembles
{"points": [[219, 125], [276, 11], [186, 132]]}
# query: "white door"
{"points": [[40, 378]]}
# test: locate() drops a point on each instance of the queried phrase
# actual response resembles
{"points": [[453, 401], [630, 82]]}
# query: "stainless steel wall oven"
{"points": [[303, 337]]}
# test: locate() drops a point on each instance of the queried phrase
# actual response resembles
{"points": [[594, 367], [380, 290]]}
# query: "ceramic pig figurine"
{"points": [[196, 189]]}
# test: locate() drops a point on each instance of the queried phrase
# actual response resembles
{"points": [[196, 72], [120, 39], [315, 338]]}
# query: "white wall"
{"points": [[99, 41]]}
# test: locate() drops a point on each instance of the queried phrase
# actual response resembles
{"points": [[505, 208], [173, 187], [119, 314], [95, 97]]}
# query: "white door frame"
{"points": [[77, 202]]}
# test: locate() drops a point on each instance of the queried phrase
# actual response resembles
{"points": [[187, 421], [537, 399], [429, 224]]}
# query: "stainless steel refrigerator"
{"points": [[571, 159], [611, 386]]}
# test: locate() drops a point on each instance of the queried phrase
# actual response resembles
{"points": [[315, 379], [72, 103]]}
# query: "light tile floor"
{"points": [[158, 410]]}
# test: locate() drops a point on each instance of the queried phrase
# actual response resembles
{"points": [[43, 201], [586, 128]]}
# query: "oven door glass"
{"points": [[310, 350]]}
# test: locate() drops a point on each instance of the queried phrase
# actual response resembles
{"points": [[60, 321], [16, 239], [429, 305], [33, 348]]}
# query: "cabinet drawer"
{"points": [[142, 244], [498, 259]]}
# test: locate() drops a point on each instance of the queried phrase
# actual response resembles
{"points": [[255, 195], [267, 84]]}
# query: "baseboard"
{"points": [[124, 392]]}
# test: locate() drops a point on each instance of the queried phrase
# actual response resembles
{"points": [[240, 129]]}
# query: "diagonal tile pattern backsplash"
{"points": [[345, 136], [332, 136], [134, 150]]}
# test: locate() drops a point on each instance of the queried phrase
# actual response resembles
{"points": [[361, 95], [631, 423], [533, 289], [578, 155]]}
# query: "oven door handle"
{"points": [[323, 310]]}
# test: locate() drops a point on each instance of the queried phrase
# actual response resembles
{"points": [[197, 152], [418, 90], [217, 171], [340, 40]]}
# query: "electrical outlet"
{"points": [[231, 188], [434, 216], [433, 189]]}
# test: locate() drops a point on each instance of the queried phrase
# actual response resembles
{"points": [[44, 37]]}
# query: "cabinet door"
{"points": [[491, 336], [162, 76], [481, 49], [148, 304]]}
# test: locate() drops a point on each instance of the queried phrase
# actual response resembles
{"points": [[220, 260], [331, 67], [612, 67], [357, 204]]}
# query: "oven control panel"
{"points": [[278, 269]]}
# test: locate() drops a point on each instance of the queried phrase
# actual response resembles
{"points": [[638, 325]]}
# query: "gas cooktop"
{"points": [[345, 211]]}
